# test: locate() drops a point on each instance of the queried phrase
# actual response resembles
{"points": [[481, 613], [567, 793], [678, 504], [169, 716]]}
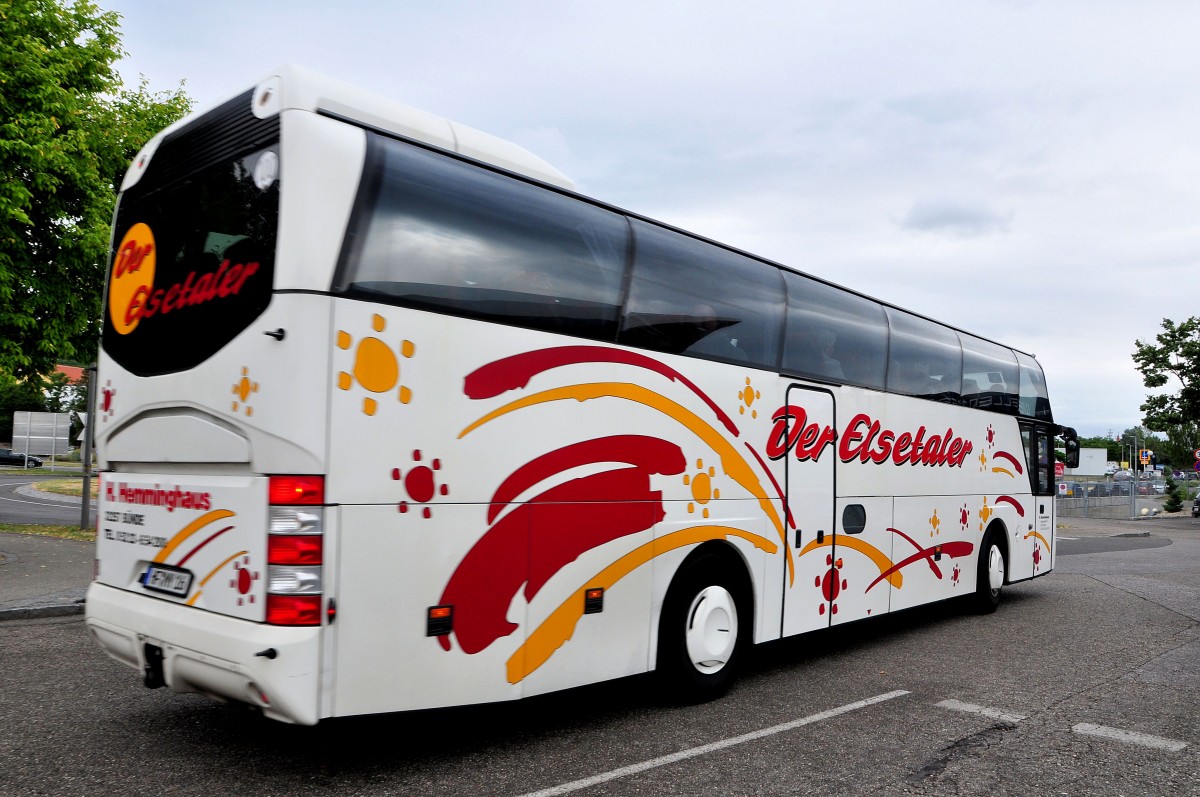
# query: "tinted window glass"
{"points": [[925, 358], [834, 335], [690, 297], [193, 262], [1035, 399], [990, 376], [441, 234]]}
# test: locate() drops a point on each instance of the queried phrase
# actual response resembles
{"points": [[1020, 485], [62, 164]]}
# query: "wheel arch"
{"points": [[734, 564], [999, 532]]}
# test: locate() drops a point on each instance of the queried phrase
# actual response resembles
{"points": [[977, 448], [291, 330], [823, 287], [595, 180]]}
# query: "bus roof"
{"points": [[291, 87]]}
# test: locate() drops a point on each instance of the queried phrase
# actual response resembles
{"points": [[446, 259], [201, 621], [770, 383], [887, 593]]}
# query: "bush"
{"points": [[1174, 500]]}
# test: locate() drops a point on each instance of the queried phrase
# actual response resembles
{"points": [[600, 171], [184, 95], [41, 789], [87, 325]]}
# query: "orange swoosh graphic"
{"points": [[734, 465], [189, 530], [1040, 537], [896, 579], [192, 600], [556, 629]]}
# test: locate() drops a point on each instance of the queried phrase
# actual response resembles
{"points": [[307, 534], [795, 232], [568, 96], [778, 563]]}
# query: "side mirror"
{"points": [[1071, 445]]}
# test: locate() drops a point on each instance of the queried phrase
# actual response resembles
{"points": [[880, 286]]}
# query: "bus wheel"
{"points": [[699, 635], [990, 574]]}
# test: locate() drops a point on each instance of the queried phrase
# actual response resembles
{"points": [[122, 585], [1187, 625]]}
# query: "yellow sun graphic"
{"points": [[242, 389], [376, 367], [702, 487], [748, 396], [984, 514], [935, 524]]}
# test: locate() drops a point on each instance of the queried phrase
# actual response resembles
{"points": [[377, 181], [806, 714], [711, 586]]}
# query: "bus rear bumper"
{"points": [[274, 668]]}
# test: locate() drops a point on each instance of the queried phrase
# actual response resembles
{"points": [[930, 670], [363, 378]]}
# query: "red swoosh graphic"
{"points": [[787, 510], [1008, 499], [646, 453], [937, 571], [538, 538], [1010, 458], [951, 549], [192, 552], [515, 372]]}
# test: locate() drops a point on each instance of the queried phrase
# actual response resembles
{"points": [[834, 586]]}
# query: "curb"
{"points": [[36, 612], [30, 492], [57, 604]]}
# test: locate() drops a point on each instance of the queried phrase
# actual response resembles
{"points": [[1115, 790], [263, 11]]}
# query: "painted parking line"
{"points": [[1130, 737], [693, 752], [991, 713]]}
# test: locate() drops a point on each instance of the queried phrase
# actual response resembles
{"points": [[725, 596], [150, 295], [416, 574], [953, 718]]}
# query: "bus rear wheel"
{"points": [[990, 573], [700, 632]]}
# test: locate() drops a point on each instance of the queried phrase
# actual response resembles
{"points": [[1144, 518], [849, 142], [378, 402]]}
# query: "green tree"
{"points": [[1176, 355], [67, 132], [1112, 447]]}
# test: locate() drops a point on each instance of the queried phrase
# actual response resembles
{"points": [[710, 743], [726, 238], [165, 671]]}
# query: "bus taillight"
{"points": [[296, 490], [295, 550], [294, 609]]}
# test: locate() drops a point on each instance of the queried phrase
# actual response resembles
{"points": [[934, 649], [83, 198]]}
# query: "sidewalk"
{"points": [[43, 576]]}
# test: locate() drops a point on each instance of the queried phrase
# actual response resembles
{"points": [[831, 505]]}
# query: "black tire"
{"points": [[990, 573], [702, 630]]}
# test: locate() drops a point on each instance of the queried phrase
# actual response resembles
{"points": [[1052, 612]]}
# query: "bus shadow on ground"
{"points": [[398, 745]]}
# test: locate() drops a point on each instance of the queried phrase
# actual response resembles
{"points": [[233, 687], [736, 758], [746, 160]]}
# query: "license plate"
{"points": [[171, 580]]}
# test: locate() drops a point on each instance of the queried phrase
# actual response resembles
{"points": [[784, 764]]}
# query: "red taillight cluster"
{"points": [[295, 550]]}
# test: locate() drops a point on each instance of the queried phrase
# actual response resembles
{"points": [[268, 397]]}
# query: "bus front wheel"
{"points": [[700, 631], [990, 573]]}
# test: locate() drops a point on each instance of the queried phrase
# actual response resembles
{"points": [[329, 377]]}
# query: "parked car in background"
{"points": [[10, 457], [1196, 507]]}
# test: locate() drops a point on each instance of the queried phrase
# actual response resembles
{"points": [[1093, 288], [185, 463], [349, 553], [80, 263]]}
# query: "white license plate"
{"points": [[171, 580]]}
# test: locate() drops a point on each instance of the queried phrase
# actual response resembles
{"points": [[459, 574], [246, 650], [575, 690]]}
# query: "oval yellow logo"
{"points": [[132, 278]]}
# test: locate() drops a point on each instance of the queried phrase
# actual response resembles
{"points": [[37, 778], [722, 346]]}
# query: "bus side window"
{"points": [[1039, 458], [833, 335], [687, 296], [990, 373], [440, 234], [926, 358]]}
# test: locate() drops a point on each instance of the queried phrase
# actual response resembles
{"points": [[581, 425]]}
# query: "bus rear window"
{"points": [[194, 244]]}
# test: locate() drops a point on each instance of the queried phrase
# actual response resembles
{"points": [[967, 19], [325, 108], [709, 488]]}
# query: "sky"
{"points": [[1026, 171]]}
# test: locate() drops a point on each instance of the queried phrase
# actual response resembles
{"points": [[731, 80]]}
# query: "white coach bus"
{"points": [[391, 418]]}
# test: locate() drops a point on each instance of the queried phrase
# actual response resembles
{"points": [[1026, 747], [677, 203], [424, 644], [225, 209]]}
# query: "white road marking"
{"points": [[992, 713], [683, 755], [1132, 737]]}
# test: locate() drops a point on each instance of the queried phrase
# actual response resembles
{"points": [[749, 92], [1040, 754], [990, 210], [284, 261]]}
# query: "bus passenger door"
{"points": [[1032, 546], [810, 492]]}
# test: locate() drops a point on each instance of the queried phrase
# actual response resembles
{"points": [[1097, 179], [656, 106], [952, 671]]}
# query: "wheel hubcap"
{"points": [[995, 569], [712, 629]]}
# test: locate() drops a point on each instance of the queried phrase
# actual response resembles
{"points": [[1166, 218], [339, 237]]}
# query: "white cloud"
{"points": [[1026, 171]]}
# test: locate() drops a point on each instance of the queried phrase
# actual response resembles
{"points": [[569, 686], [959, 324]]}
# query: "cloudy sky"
{"points": [[1027, 171]]}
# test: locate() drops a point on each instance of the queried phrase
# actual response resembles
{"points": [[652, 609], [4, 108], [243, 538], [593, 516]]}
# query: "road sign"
{"points": [[1196, 454], [1060, 469]]}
